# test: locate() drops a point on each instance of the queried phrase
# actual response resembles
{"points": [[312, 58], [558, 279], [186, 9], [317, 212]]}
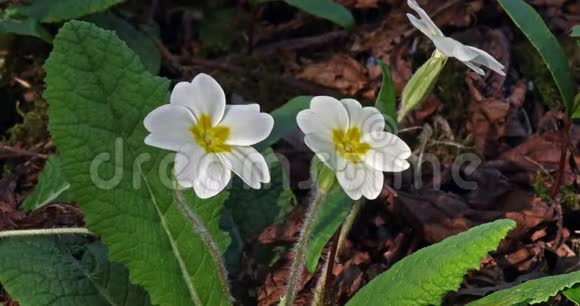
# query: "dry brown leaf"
{"points": [[340, 71]]}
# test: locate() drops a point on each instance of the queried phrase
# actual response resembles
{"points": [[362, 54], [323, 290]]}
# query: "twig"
{"points": [[449, 143], [48, 231], [558, 183], [301, 43], [540, 166], [563, 155], [255, 74], [410, 129], [16, 152]]}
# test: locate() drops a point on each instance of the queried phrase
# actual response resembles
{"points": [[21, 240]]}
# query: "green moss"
{"points": [[33, 128], [453, 93], [570, 200], [532, 66]]}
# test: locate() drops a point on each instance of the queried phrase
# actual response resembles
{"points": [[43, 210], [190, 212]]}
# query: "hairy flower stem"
{"points": [[47, 231], [300, 250], [201, 230]]}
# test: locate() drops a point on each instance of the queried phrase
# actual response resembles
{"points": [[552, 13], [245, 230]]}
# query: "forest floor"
{"points": [[274, 53]]}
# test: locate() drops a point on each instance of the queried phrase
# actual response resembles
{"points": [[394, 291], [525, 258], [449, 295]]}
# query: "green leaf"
{"points": [[138, 41], [98, 93], [285, 120], [530, 292], [327, 9], [424, 277], [64, 270], [50, 11], [387, 99], [51, 185], [573, 294], [575, 31], [26, 27], [254, 210], [532, 25], [334, 210]]}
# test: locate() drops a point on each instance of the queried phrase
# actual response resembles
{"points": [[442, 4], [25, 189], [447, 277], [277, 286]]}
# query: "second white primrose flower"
{"points": [[450, 47], [211, 139], [353, 142]]}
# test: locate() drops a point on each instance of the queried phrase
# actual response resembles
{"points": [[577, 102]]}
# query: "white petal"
{"points": [[325, 151], [247, 125], [420, 25], [475, 68], [202, 96], [169, 126], [358, 180], [427, 26], [485, 59], [248, 164], [212, 177], [186, 165], [452, 48], [388, 152], [367, 119], [324, 115]]}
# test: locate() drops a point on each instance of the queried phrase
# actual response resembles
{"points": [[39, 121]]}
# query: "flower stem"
{"points": [[46, 231], [322, 292], [297, 266], [201, 230], [345, 228]]}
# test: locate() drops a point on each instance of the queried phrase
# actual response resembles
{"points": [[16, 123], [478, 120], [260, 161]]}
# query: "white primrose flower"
{"points": [[450, 47], [211, 139], [352, 141]]}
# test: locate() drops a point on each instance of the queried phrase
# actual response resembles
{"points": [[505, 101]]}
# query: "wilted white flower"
{"points": [[211, 139], [450, 47], [352, 141]]}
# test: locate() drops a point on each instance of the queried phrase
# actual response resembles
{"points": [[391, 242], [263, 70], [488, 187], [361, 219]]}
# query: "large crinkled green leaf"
{"points": [[530, 292], [98, 93], [532, 25], [424, 277], [62, 10], [138, 41], [64, 271], [51, 186], [333, 211]]}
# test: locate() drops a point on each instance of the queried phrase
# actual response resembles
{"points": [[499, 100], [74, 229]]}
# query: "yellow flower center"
{"points": [[348, 145], [211, 139]]}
